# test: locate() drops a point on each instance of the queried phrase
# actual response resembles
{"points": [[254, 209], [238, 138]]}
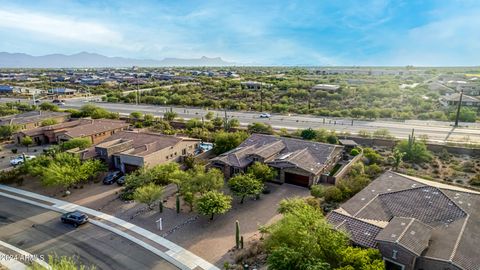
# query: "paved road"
{"points": [[92, 245], [436, 131]]}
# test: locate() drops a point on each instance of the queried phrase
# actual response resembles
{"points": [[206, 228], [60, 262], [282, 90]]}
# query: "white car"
{"points": [[19, 160], [265, 115]]}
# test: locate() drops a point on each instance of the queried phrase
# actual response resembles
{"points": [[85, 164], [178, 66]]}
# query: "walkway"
{"points": [[169, 251]]}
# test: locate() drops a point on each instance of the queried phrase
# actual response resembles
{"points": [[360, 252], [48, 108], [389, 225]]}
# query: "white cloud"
{"points": [[62, 28]]}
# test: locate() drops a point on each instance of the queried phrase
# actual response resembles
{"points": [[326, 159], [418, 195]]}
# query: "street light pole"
{"points": [[458, 108]]}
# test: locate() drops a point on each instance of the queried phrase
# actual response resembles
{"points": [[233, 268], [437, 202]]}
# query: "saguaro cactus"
{"points": [[178, 203], [241, 242], [237, 234]]}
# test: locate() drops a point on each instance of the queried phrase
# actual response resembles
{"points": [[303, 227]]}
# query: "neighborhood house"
{"points": [[129, 150], [33, 119], [415, 223], [297, 161]]}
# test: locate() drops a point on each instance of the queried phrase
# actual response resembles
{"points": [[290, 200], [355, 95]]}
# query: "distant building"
{"points": [[62, 91], [326, 87], [468, 101], [470, 89], [414, 223], [296, 161], [252, 85], [6, 89]]}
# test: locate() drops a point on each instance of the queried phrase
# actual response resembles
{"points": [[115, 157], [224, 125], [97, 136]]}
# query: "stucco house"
{"points": [[297, 161], [129, 150], [416, 224], [96, 130]]}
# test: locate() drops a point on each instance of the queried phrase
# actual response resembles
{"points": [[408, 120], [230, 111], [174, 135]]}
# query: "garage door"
{"points": [[296, 179]]}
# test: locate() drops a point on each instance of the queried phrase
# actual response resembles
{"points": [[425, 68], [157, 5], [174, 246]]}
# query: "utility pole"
{"points": [[137, 92], [458, 108]]}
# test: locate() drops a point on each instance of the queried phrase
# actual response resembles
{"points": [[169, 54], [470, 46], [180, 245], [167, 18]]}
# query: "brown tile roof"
{"points": [[287, 152], [449, 215], [95, 126]]}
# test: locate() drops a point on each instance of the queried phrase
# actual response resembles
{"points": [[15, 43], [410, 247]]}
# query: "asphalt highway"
{"points": [[40, 232], [435, 131]]}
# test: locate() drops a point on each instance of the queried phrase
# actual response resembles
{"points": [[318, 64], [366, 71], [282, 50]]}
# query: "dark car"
{"points": [[75, 218], [112, 177], [121, 180]]}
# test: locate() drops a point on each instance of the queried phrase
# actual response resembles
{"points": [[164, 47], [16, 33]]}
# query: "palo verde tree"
{"points": [[243, 185], [213, 203], [148, 194]]}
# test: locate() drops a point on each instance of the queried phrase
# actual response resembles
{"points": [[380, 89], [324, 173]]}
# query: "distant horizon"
{"points": [[230, 64], [263, 32]]}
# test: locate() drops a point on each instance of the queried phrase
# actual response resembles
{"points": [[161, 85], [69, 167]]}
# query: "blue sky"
{"points": [[270, 32]]}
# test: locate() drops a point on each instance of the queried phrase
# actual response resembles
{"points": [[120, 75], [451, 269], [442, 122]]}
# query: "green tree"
{"points": [[415, 151], [372, 155], [209, 115], [233, 123], [213, 203], [26, 141], [49, 122], [169, 116], [333, 194], [262, 172], [260, 128], [148, 194], [136, 115], [81, 143], [308, 134], [317, 191], [6, 131], [243, 185], [328, 249], [466, 115], [225, 141], [397, 158], [47, 106]]}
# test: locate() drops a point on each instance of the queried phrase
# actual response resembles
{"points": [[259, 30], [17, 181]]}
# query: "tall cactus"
{"points": [[178, 203], [237, 234], [241, 242]]}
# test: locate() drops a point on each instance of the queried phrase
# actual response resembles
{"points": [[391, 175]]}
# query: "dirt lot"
{"points": [[457, 169]]}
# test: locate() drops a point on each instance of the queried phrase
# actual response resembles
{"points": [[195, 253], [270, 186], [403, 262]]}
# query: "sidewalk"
{"points": [[169, 251]]}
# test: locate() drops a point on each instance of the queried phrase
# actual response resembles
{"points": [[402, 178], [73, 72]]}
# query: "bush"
{"points": [[317, 191], [332, 194], [354, 152], [372, 156], [373, 170], [475, 181]]}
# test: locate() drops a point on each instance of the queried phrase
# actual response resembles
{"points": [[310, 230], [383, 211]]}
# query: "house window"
{"points": [[175, 153], [166, 157], [184, 151]]}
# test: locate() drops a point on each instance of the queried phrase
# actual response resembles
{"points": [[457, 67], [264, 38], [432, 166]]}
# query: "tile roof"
{"points": [[408, 232], [284, 152], [445, 218], [95, 126]]}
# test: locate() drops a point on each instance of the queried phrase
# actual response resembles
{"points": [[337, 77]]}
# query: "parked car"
{"points": [[112, 177], [19, 160], [76, 218], [121, 180], [265, 115]]}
